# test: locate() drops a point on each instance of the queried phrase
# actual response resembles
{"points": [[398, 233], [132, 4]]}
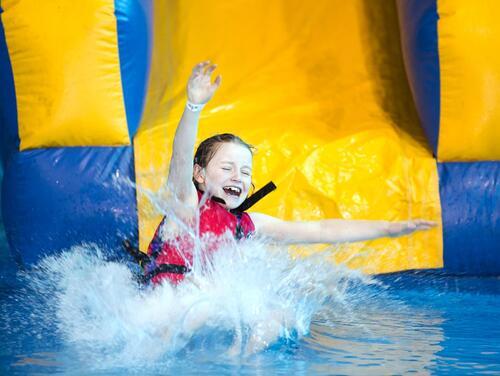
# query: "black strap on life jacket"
{"points": [[239, 233], [165, 268], [250, 200], [253, 199], [247, 204], [140, 257], [146, 261]]}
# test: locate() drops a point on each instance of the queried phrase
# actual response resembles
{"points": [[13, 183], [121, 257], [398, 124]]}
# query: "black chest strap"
{"points": [[256, 197]]}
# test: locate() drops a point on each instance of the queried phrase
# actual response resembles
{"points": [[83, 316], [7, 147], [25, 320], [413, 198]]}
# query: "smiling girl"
{"points": [[216, 184]]}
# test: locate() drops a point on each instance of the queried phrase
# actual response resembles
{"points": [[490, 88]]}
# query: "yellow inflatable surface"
{"points": [[68, 91], [470, 116], [320, 89]]}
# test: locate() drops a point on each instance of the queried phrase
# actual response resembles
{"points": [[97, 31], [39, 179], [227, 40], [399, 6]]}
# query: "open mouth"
{"points": [[232, 191]]}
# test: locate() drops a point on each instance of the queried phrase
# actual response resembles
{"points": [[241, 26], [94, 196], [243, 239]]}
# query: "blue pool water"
{"points": [[396, 324], [80, 314]]}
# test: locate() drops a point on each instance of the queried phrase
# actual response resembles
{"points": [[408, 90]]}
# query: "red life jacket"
{"points": [[172, 259]]}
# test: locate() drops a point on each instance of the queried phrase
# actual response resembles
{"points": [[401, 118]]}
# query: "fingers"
{"points": [[202, 72], [422, 224], [199, 68], [200, 88], [425, 223], [408, 227], [210, 69], [217, 81], [205, 68]]}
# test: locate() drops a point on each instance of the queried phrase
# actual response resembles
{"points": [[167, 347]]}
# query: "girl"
{"points": [[211, 191], [222, 171]]}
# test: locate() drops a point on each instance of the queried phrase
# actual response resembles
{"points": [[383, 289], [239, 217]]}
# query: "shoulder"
{"points": [[264, 223], [283, 231]]}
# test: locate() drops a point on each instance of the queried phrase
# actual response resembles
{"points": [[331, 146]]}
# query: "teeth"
{"points": [[233, 190]]}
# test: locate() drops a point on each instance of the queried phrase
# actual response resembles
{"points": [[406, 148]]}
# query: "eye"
{"points": [[226, 168], [246, 173]]}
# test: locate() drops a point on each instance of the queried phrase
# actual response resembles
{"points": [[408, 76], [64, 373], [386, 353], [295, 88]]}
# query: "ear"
{"points": [[199, 174]]}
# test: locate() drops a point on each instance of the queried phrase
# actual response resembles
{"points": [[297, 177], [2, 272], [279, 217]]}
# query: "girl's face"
{"points": [[228, 175]]}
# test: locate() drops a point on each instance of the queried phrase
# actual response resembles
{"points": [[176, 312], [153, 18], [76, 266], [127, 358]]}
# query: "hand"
{"points": [[395, 229], [199, 88]]}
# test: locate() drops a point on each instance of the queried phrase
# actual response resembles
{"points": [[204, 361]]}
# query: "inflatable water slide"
{"points": [[358, 109]]}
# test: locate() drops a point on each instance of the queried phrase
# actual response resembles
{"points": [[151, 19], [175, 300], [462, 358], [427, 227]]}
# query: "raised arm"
{"points": [[200, 90], [332, 230]]}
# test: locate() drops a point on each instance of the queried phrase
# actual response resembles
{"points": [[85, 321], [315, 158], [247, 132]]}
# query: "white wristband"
{"points": [[194, 107]]}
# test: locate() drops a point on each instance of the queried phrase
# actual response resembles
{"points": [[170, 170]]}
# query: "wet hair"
{"points": [[208, 147]]}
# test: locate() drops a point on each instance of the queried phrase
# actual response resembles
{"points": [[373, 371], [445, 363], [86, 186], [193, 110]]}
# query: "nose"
{"points": [[236, 176]]}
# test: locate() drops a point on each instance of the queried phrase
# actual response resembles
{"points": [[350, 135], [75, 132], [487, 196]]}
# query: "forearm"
{"points": [[333, 230], [329, 231], [347, 231], [199, 91], [181, 163]]}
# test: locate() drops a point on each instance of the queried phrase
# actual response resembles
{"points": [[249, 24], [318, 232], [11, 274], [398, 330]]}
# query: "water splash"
{"points": [[251, 297], [247, 297]]}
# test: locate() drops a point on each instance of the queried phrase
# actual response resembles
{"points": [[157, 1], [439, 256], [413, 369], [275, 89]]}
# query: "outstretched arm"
{"points": [[200, 90], [332, 230]]}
